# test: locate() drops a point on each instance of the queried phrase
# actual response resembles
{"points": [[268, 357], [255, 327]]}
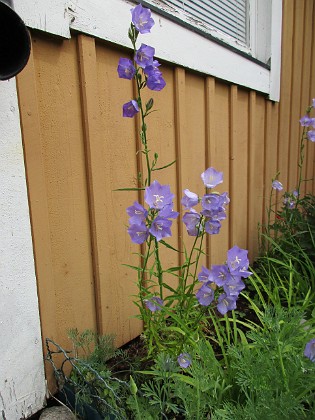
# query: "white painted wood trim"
{"points": [[276, 31], [22, 380], [109, 20]]}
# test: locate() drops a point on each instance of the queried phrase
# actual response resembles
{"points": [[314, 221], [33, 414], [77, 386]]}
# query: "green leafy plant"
{"points": [[272, 377]]}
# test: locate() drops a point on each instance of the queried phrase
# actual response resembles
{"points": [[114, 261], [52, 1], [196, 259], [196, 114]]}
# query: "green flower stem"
{"points": [[143, 270], [300, 164], [184, 285], [158, 267], [143, 133]]}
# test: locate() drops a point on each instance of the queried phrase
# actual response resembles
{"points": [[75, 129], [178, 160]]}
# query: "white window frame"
{"points": [[173, 42]]}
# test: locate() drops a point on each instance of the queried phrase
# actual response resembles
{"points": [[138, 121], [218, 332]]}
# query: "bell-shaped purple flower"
{"points": [[211, 201], [152, 68], [158, 196], [160, 228], [190, 199], [211, 178], [184, 360], [307, 121], [144, 55], [219, 214], [156, 82], [234, 286], [277, 185], [168, 213], [130, 109], [192, 222], [205, 275], [154, 304], [126, 69], [138, 233], [220, 274], [212, 227], [309, 350], [237, 261], [226, 303], [311, 135], [141, 18], [137, 213], [205, 295]]}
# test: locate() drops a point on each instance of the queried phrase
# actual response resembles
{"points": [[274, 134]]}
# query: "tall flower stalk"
{"points": [[173, 316]]}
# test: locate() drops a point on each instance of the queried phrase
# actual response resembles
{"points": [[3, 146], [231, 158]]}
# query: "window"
{"points": [[234, 40], [234, 29]]}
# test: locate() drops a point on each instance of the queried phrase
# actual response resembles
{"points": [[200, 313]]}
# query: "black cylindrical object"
{"points": [[15, 45]]}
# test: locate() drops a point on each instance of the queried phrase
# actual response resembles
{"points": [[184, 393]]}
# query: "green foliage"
{"points": [[193, 393], [273, 379]]}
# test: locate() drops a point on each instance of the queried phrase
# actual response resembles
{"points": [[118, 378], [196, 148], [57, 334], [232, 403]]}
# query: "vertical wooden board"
{"points": [[193, 146], [180, 133], [64, 164], [271, 158], [256, 170], [310, 152], [218, 147], [285, 98], [306, 93], [119, 170], [37, 194], [297, 66], [238, 167], [161, 140]]}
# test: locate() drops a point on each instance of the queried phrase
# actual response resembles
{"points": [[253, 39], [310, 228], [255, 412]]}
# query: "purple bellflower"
{"points": [[192, 222], [138, 233], [211, 178], [276, 185], [126, 69], [130, 109], [144, 56], [154, 304], [233, 287], [226, 303], [158, 196], [309, 350], [205, 295], [220, 274], [152, 68], [189, 200], [307, 121], [168, 213], [137, 213], [141, 18], [212, 227], [237, 261], [212, 201], [184, 360], [156, 82], [205, 275], [160, 228], [311, 135]]}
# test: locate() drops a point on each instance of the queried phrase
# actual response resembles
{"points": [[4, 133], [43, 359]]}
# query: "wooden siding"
{"points": [[79, 149]]}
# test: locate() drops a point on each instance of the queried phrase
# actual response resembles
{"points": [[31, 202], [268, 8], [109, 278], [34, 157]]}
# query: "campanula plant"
{"points": [[288, 238], [174, 315]]}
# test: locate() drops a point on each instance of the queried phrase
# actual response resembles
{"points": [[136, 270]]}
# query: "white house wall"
{"points": [[22, 381]]}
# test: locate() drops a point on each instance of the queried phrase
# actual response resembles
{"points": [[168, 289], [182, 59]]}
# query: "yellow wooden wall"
{"points": [[79, 149]]}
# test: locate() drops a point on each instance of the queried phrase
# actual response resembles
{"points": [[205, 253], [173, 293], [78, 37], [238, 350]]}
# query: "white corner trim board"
{"points": [[110, 19], [22, 381]]}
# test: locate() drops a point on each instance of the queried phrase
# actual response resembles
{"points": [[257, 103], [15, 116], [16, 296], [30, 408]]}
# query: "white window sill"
{"points": [[110, 19]]}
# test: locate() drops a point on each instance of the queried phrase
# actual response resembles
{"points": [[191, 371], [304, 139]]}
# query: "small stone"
{"points": [[57, 413]]}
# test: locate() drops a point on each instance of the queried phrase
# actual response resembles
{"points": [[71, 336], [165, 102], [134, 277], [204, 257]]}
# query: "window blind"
{"points": [[227, 16]]}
